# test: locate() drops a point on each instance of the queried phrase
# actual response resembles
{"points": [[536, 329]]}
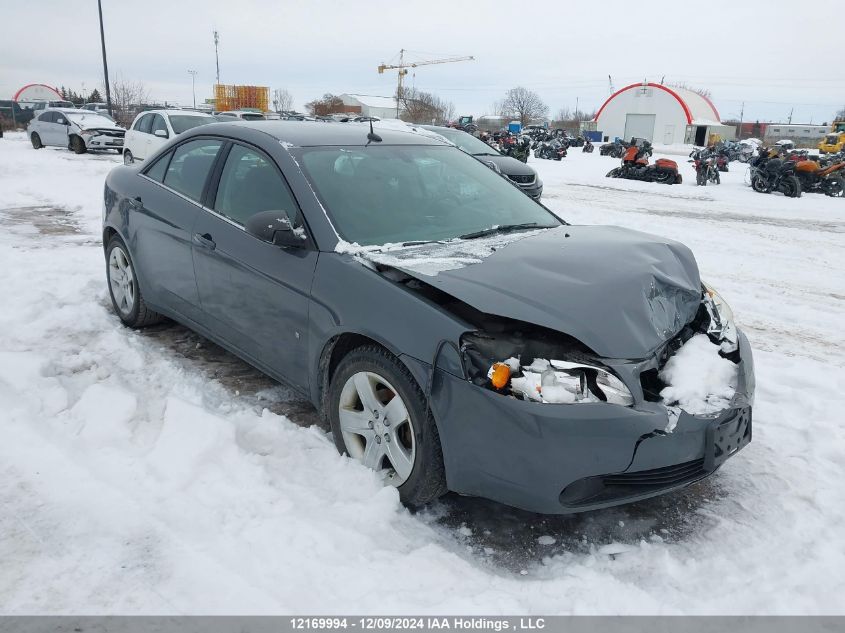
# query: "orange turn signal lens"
{"points": [[500, 376]]}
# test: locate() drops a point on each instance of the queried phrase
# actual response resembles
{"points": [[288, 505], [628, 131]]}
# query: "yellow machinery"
{"points": [[834, 141], [241, 97]]}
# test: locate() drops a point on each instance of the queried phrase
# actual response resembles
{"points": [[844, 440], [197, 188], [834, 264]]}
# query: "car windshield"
{"points": [[90, 119], [466, 142], [252, 116], [182, 122], [381, 194]]}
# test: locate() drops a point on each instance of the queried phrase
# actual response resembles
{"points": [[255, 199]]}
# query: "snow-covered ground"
{"points": [[150, 472]]}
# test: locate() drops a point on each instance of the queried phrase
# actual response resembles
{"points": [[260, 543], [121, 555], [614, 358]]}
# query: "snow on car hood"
{"points": [[620, 292]]}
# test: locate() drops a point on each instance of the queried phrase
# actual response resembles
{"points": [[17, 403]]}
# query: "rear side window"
{"points": [[249, 184], [156, 172], [190, 166]]}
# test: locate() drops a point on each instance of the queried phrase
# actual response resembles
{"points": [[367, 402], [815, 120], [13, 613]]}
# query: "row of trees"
{"points": [[416, 106]]}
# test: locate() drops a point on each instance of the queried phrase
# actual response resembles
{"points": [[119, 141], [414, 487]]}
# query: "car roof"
{"points": [[176, 111], [318, 133]]}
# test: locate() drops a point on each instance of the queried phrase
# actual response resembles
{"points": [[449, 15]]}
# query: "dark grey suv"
{"points": [[456, 334]]}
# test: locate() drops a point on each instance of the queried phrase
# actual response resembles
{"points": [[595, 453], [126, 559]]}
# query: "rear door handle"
{"points": [[205, 241]]}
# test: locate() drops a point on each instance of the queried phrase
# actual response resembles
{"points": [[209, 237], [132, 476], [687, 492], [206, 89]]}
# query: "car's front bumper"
{"points": [[560, 459], [102, 141]]}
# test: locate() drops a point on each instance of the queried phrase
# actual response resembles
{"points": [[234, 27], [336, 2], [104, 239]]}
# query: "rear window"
{"points": [[190, 166]]}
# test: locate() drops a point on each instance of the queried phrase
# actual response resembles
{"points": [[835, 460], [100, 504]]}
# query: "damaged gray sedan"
{"points": [[455, 334]]}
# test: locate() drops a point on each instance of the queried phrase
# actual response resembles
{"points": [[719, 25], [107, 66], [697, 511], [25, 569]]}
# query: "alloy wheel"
{"points": [[376, 426], [121, 280]]}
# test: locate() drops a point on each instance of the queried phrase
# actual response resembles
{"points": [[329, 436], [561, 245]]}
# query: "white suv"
{"points": [[152, 129]]}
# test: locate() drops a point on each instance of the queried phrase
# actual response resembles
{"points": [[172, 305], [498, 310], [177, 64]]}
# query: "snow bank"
{"points": [[700, 381]]}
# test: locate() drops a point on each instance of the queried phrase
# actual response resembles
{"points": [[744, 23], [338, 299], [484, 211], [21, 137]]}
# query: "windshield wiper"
{"points": [[502, 228]]}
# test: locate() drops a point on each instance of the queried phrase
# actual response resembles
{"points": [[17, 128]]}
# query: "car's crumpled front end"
{"points": [[611, 376]]}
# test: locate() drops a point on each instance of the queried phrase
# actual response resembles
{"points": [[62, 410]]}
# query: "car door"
{"points": [[59, 133], [255, 293], [170, 191], [140, 137], [44, 126], [158, 135]]}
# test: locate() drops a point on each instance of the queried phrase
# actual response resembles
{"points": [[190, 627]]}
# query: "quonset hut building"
{"points": [[660, 114]]}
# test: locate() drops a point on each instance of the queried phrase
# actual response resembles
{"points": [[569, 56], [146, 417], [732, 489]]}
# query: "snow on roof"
{"points": [[372, 101], [707, 122]]}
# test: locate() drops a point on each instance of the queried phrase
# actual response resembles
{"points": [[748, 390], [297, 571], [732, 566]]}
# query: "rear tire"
{"points": [[123, 286], [614, 173], [387, 379], [717, 179], [700, 178], [77, 145], [36, 141], [128, 158]]}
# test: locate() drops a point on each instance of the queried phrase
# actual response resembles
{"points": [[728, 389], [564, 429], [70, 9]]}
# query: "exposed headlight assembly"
{"points": [[558, 382], [722, 325]]}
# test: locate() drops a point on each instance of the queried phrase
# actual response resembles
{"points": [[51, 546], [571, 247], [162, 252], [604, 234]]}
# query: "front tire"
{"points": [[791, 187], [759, 184], [128, 158], [614, 173], [379, 417], [77, 145], [124, 290], [700, 178], [36, 141]]}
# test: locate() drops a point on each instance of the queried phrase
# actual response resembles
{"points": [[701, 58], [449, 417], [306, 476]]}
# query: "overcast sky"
{"points": [[771, 55]]}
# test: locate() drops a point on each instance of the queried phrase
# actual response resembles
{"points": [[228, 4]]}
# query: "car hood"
{"points": [[97, 125], [620, 292], [508, 165]]}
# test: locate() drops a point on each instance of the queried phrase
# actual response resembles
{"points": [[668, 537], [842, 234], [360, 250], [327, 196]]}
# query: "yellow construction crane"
{"points": [[403, 67]]}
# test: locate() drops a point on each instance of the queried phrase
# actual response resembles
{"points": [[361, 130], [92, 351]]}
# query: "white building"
{"points": [[661, 114], [369, 105], [796, 131]]}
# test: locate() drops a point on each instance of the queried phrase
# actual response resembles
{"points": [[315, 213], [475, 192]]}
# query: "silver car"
{"points": [[78, 130]]}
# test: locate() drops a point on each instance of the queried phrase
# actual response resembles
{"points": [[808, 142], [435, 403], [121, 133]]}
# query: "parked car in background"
{"points": [[152, 129], [43, 105], [246, 115], [516, 171], [96, 107], [78, 130]]}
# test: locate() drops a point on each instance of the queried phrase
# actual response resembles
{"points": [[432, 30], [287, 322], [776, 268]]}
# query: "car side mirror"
{"points": [[274, 227], [161, 133]]}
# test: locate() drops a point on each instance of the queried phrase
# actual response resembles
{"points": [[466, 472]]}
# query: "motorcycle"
{"points": [[588, 146], [551, 150], [635, 166], [814, 178], [706, 167], [770, 173], [518, 148], [614, 149]]}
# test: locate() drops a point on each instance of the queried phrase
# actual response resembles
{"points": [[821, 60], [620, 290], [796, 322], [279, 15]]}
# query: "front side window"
{"points": [[48, 117], [249, 184], [189, 168], [381, 194], [159, 124], [143, 124], [184, 122]]}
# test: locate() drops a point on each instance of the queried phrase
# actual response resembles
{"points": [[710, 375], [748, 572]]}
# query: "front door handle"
{"points": [[205, 241]]}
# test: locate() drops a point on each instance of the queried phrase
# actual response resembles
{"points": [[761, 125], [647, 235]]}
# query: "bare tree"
{"points": [[126, 98], [327, 104], [282, 100], [423, 107], [524, 104]]}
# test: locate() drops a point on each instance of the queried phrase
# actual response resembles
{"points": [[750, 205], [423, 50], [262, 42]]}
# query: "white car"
{"points": [[153, 128], [246, 115], [78, 130]]}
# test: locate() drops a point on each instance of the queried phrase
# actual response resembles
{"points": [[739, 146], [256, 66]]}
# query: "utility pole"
{"points": [[105, 64], [790, 115], [193, 74], [216, 56], [741, 114]]}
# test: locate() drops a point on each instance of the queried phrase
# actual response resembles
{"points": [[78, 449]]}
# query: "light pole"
{"points": [[194, 86], [105, 64]]}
